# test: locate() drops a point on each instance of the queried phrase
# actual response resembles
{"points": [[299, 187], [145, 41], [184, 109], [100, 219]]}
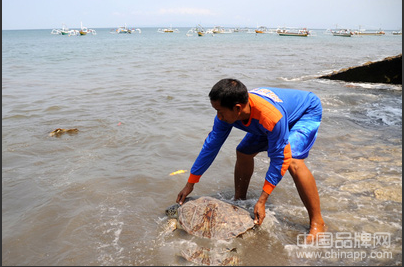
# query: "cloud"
{"points": [[118, 14], [186, 11]]}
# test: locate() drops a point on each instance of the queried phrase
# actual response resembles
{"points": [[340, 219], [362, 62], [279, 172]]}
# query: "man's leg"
{"points": [[243, 171], [306, 186]]}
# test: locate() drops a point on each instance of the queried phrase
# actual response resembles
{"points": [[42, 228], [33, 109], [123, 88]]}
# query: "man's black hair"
{"points": [[229, 92]]}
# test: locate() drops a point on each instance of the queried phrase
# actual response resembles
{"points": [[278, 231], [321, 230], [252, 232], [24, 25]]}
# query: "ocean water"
{"points": [[141, 107]]}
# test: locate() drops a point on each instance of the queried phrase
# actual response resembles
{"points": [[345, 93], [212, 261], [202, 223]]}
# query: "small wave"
{"points": [[109, 248], [53, 108], [297, 79], [387, 116], [371, 86], [20, 117], [375, 86]]}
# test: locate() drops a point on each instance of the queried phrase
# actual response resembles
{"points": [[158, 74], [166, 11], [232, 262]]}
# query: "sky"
{"points": [[312, 14]]}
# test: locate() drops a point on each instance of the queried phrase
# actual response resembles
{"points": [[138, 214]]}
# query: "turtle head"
{"points": [[172, 211]]}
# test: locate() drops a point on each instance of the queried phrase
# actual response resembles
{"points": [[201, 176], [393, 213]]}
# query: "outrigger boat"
{"points": [[342, 32], [218, 30], [66, 31], [168, 30], [292, 32], [84, 30], [125, 29], [263, 29], [364, 32], [63, 31], [200, 30], [370, 33]]}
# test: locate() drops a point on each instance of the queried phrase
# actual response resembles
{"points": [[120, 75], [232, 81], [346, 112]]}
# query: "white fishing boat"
{"points": [[168, 30], [361, 31], [125, 30], [289, 31], [63, 31], [219, 30], [85, 30], [375, 33], [342, 32], [199, 30], [263, 29]]}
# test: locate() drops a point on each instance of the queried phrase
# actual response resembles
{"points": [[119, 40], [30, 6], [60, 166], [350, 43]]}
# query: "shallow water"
{"points": [[140, 104]]}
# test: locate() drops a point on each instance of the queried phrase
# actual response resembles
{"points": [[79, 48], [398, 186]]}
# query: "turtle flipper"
{"points": [[171, 225]]}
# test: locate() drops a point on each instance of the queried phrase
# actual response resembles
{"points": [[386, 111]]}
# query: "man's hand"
{"points": [[259, 209], [184, 193]]}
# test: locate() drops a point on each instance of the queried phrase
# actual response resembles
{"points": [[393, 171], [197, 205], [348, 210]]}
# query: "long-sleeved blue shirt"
{"points": [[273, 112]]}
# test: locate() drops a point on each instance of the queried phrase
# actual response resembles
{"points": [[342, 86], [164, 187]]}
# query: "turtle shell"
{"points": [[209, 256], [212, 218]]}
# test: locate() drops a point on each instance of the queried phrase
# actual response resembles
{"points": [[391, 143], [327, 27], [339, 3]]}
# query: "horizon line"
{"points": [[240, 27]]}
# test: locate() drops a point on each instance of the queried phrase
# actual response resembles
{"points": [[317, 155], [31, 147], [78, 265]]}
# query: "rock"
{"points": [[57, 132], [388, 70], [393, 193]]}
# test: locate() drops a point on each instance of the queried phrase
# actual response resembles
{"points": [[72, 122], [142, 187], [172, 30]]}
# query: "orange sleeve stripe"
{"points": [[194, 178], [268, 187], [287, 152], [267, 115]]}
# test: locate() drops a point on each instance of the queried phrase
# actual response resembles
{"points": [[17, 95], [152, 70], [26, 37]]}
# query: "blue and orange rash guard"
{"points": [[273, 111]]}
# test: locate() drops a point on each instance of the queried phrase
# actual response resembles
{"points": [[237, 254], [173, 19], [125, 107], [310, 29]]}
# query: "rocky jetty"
{"points": [[388, 70]]}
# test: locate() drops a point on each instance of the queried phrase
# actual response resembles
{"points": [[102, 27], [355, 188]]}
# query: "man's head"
{"points": [[229, 92], [228, 97]]}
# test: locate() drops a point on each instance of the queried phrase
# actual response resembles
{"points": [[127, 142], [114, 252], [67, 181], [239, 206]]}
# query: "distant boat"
{"points": [[363, 32], [125, 30], [200, 30], [85, 30], [66, 31], [218, 30], [197, 30], [168, 30], [342, 32], [370, 33], [299, 32], [397, 32], [63, 31], [263, 29]]}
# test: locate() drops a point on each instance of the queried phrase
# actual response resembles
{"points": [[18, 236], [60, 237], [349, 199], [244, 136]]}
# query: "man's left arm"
{"points": [[281, 155]]}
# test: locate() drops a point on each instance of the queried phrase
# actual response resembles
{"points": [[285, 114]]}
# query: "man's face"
{"points": [[226, 114]]}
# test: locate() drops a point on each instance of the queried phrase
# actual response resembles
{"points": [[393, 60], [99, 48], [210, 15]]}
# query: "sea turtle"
{"points": [[210, 218]]}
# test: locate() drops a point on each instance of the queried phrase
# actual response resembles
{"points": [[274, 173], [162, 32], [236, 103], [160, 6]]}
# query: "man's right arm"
{"points": [[210, 149]]}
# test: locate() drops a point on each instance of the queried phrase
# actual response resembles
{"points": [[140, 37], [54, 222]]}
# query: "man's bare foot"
{"points": [[315, 229]]}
